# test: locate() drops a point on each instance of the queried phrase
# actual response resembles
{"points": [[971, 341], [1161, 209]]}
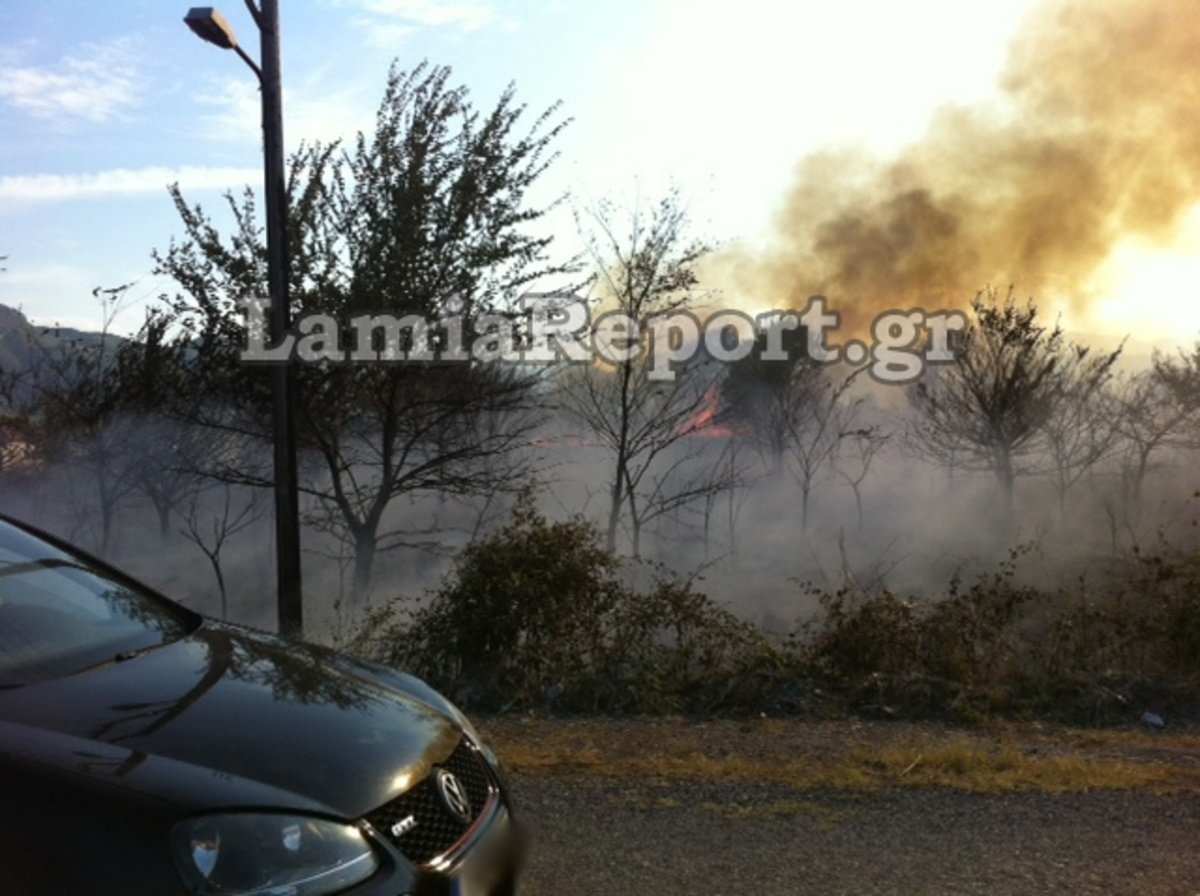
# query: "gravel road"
{"points": [[607, 836]]}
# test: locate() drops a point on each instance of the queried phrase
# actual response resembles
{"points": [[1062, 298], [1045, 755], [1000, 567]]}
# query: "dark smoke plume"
{"points": [[1096, 139]]}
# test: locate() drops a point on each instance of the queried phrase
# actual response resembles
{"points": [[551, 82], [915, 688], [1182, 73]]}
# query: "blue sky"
{"points": [[102, 105]]}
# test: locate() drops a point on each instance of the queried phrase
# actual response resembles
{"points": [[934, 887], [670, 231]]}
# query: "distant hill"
{"points": [[23, 344], [19, 339]]}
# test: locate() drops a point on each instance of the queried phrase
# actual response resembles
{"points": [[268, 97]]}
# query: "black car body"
{"points": [[145, 749]]}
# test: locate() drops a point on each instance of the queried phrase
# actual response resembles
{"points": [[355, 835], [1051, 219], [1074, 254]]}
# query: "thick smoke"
{"points": [[1094, 140]]}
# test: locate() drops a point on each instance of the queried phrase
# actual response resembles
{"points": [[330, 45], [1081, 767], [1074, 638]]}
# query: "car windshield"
{"points": [[60, 615]]}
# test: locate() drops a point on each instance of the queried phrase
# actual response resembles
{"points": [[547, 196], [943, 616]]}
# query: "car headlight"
{"points": [[262, 854]]}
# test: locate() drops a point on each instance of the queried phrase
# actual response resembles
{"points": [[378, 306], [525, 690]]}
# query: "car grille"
{"points": [[436, 829]]}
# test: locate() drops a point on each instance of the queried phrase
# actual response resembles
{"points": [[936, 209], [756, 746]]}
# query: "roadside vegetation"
{"points": [[540, 616]]}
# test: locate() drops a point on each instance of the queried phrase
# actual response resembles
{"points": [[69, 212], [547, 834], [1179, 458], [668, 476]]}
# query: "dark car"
{"points": [[145, 749]]}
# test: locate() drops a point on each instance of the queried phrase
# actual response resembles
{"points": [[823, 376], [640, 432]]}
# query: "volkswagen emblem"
{"points": [[454, 795]]}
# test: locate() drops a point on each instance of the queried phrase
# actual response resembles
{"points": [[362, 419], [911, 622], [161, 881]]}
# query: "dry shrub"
{"points": [[997, 646]]}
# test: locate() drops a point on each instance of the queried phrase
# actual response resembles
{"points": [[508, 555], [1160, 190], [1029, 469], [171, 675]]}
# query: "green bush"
{"points": [[539, 613]]}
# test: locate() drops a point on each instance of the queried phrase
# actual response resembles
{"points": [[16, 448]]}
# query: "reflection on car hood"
{"points": [[234, 702]]}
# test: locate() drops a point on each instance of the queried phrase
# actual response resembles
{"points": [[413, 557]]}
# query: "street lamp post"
{"points": [[210, 25]]}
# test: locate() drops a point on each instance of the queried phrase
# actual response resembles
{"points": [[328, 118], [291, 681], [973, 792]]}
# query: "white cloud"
{"points": [[466, 16], [236, 114], [121, 182], [94, 85], [385, 35], [311, 112], [49, 294], [389, 23]]}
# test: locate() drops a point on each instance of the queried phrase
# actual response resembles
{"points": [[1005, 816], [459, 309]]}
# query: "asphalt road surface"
{"points": [[609, 836]]}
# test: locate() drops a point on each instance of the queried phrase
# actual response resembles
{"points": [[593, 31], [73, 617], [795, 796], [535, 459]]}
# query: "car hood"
{"points": [[231, 703]]}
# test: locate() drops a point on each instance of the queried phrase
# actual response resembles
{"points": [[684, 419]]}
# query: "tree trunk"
{"points": [[617, 498], [1006, 479], [364, 561], [805, 489], [614, 517], [163, 508]]}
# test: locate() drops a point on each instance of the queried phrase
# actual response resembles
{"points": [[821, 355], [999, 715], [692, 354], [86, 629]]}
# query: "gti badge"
{"points": [[403, 826]]}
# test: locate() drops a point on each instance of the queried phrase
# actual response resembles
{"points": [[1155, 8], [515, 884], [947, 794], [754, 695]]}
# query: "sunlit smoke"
{"points": [[1093, 142]]}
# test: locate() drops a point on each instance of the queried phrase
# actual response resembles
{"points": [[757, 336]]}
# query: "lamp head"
{"points": [[211, 26]]}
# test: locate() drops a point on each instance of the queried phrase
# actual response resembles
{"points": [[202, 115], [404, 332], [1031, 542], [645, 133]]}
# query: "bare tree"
{"points": [[1155, 410], [700, 469], [92, 394], [168, 465], [645, 269], [861, 445], [1080, 433], [989, 410], [214, 513], [800, 414], [736, 473], [758, 390], [818, 417]]}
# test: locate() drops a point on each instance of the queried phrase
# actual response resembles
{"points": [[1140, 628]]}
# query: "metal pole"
{"points": [[287, 499]]}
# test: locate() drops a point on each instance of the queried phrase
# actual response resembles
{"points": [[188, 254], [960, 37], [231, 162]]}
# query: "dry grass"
{"points": [[852, 756]]}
